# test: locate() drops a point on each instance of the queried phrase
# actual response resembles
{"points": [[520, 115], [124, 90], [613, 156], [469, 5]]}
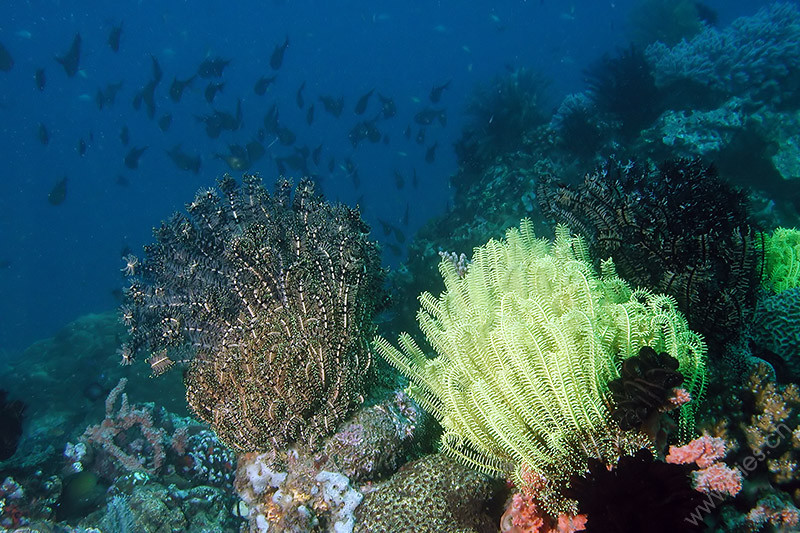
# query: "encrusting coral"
{"points": [[528, 341], [269, 299]]}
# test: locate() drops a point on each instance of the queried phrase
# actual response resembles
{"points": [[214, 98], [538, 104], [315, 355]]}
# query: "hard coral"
{"points": [[269, 298], [429, 495]]}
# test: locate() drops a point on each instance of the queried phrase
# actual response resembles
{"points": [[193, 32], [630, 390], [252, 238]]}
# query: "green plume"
{"points": [[527, 342], [782, 260]]}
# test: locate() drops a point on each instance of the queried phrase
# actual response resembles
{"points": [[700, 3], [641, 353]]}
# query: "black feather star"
{"points": [[645, 386]]}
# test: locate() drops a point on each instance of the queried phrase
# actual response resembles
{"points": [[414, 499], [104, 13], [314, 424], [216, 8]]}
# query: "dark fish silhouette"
{"points": [[43, 134], [124, 135], [388, 108], [212, 67], [420, 136], [165, 122], [299, 96], [212, 89], [361, 105], [405, 214], [332, 105], [399, 180], [58, 193], [310, 115], [40, 79], [183, 160], [11, 415], [297, 161], [364, 130], [276, 60], [315, 155], [407, 132], [72, 58], [430, 153], [396, 250], [147, 93], [331, 164], [6, 61], [429, 114], [392, 229], [81, 147], [178, 86], [436, 92], [114, 37], [132, 157], [108, 95], [285, 135], [263, 84], [218, 121], [236, 158], [271, 123], [351, 170], [255, 151]]}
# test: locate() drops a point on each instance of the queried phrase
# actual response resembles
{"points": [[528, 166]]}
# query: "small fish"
{"points": [[396, 250], [271, 119], [178, 86], [99, 99], [285, 136], [236, 158], [436, 93], [331, 164], [429, 114], [165, 122], [315, 155], [81, 147], [110, 92], [430, 153], [124, 135], [6, 61], [114, 37], [332, 105], [310, 115], [255, 150], [43, 134], [72, 58], [58, 193], [212, 89], [420, 136], [263, 84], [183, 160], [399, 180], [388, 108], [132, 157], [40, 79], [212, 67], [407, 132], [276, 60], [361, 105], [299, 96]]}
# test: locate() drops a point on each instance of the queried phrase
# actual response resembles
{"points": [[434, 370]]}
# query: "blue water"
{"points": [[63, 261]]}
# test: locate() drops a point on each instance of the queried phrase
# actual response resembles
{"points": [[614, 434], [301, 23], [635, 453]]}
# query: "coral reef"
{"points": [[775, 333], [429, 495], [624, 88], [501, 114], [756, 57], [679, 230], [241, 289], [528, 341]]}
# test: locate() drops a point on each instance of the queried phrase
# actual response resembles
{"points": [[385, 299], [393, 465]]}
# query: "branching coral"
{"points": [[527, 343], [270, 300]]}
